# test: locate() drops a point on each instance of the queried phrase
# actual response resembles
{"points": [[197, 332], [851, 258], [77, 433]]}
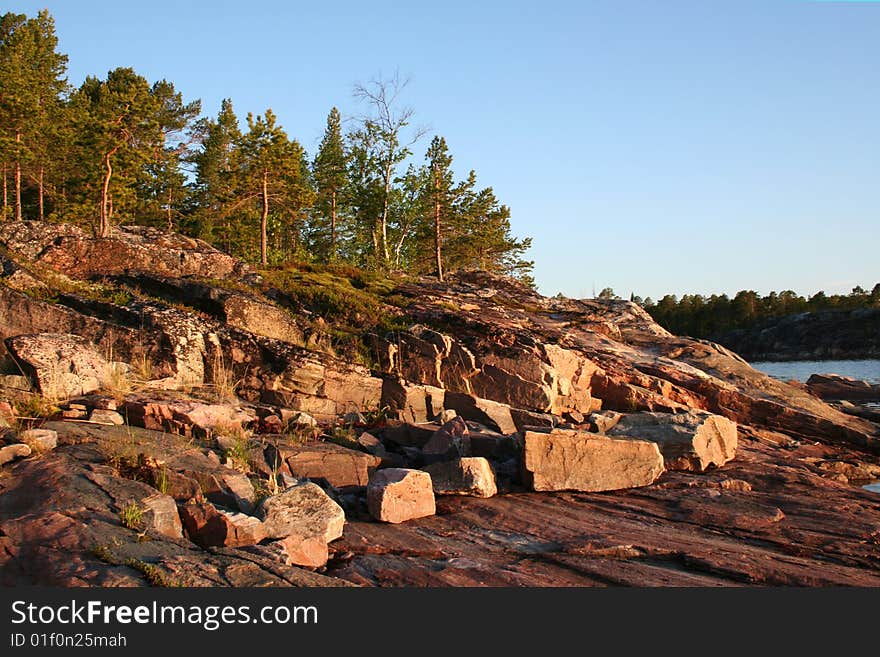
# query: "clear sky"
{"points": [[653, 146]]}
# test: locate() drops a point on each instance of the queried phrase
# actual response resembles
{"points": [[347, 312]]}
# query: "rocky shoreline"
{"points": [[173, 417]]}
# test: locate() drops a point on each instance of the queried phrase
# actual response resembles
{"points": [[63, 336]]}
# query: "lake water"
{"points": [[800, 370]]}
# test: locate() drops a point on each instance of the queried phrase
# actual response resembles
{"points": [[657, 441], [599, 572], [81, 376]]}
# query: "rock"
{"points": [[160, 516], [372, 444], [736, 485], [449, 441], [39, 440], [338, 466], [484, 411], [603, 421], [210, 527], [354, 418], [74, 414], [523, 420], [15, 381], [408, 435], [13, 452], [576, 460], [104, 416], [694, 440], [396, 495], [447, 414], [297, 418], [413, 403], [309, 552], [467, 476], [833, 386], [304, 511], [62, 365], [575, 417]]}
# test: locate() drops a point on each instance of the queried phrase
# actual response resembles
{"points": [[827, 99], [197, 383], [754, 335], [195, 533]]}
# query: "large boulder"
{"points": [[61, 365], [577, 460], [493, 414], [694, 440], [467, 476], [304, 511], [39, 440], [338, 466], [396, 495], [449, 441], [10, 453]]}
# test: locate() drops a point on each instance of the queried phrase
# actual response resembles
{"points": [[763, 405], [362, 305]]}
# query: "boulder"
{"points": [[208, 526], [338, 466], [603, 421], [693, 440], [577, 460], [160, 515], [396, 495], [449, 441], [12, 452], [304, 511], [309, 552], [106, 416], [467, 476], [62, 365], [493, 414], [372, 444], [39, 440]]}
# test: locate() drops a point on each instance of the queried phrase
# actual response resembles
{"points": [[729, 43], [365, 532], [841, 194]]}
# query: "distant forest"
{"points": [[122, 149], [711, 317]]}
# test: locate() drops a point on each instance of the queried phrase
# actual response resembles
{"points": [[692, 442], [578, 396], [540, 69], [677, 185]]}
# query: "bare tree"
{"points": [[387, 122]]}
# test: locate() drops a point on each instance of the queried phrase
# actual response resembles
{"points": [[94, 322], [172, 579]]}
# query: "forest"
{"points": [[713, 316], [126, 150]]}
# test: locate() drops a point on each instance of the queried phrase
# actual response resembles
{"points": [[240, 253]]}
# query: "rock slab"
{"points": [[577, 460], [471, 476]]}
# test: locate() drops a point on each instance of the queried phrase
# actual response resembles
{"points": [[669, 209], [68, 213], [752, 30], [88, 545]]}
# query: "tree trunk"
{"points": [[383, 227], [168, 213], [333, 226], [104, 226], [5, 192], [17, 179], [40, 193], [437, 236], [264, 221]]}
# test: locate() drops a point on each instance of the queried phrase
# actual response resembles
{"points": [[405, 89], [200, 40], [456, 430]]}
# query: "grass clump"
{"points": [[131, 515], [153, 574]]}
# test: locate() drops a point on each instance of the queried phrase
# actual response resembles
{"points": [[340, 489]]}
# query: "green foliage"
{"points": [[708, 317], [153, 575], [122, 148], [131, 515]]}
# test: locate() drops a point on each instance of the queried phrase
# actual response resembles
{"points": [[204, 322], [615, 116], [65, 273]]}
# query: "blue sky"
{"points": [[652, 146]]}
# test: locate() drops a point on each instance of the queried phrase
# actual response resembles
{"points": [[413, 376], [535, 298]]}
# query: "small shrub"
{"points": [[131, 515], [153, 575]]}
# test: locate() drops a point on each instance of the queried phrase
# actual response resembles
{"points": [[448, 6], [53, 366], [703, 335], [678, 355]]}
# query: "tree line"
{"points": [[713, 316], [121, 149]]}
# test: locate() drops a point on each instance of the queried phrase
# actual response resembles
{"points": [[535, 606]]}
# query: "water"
{"points": [[874, 488], [800, 370]]}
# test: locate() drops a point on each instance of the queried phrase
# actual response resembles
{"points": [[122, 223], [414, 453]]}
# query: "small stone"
{"points": [[372, 444], [309, 552], [13, 452], [74, 414], [447, 415], [161, 516], [39, 440], [208, 526], [105, 416], [574, 417], [397, 494]]}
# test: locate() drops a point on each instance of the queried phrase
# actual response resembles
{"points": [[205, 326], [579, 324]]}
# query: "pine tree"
{"points": [[330, 177], [440, 193], [32, 82], [122, 126], [272, 169], [217, 167]]}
